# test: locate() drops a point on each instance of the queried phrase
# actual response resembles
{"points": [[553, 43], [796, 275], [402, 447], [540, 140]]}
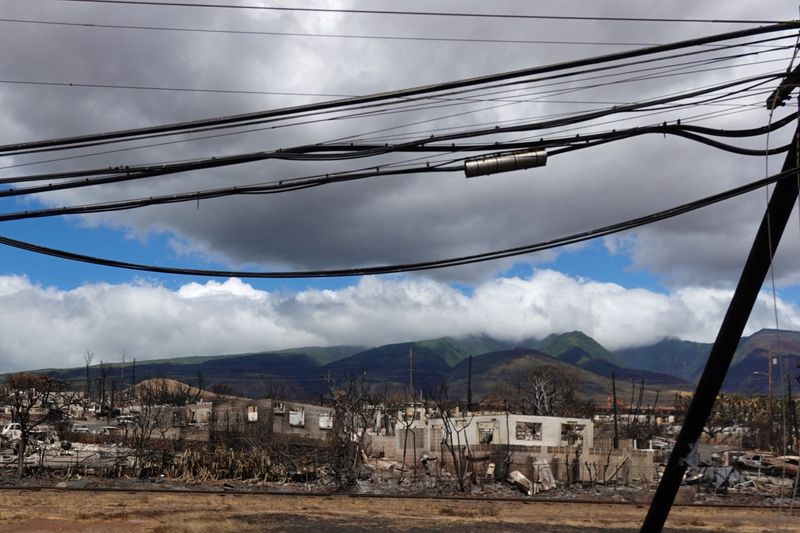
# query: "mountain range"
{"points": [[306, 373]]}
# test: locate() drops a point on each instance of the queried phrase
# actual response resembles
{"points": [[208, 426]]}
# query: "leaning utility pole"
{"points": [[753, 274]]}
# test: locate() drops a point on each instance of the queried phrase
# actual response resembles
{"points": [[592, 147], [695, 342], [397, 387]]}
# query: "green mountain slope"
{"points": [[563, 345], [303, 372]]}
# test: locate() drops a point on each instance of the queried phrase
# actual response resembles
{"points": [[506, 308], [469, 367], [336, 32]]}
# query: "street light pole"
{"points": [[769, 398], [768, 373]]}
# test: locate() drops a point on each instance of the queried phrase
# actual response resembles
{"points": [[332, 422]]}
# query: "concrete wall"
{"points": [[249, 417], [528, 455], [524, 431], [301, 420]]}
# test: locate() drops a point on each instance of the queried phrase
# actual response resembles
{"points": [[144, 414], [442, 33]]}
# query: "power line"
{"points": [[310, 152], [416, 91], [171, 89], [425, 13], [467, 100], [449, 116], [573, 89], [90, 25], [281, 186], [412, 267], [554, 93], [574, 118], [295, 184], [344, 151]]}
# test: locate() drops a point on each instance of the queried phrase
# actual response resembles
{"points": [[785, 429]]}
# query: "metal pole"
{"points": [[730, 332], [769, 399]]}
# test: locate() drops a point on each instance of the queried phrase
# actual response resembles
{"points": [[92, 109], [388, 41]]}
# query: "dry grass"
{"points": [[226, 513], [200, 526], [486, 510]]}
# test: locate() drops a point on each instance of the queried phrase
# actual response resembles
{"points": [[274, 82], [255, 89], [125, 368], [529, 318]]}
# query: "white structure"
{"points": [[520, 430], [496, 429]]}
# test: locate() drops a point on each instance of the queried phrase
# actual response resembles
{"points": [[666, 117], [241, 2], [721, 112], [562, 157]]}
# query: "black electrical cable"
{"points": [[379, 112], [246, 158], [311, 153], [274, 187], [165, 89], [572, 117], [85, 25], [121, 174], [575, 89], [383, 139], [706, 61], [416, 91], [423, 13], [410, 135], [739, 108], [290, 185], [412, 267], [562, 76]]}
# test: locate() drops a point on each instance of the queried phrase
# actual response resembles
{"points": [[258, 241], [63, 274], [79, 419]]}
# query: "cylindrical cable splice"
{"points": [[504, 162]]}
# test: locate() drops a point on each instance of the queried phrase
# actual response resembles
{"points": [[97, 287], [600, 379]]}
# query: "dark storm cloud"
{"points": [[385, 220]]}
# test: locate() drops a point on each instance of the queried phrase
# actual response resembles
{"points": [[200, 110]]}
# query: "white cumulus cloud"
{"points": [[47, 327]]}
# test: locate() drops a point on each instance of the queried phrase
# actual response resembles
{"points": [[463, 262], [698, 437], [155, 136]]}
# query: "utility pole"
{"points": [[754, 272], [769, 396], [411, 373], [469, 386], [616, 416], [122, 372]]}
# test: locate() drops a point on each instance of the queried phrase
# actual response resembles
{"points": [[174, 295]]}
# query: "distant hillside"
{"points": [[574, 347], [264, 374], [323, 355], [166, 387], [390, 363], [304, 373], [432, 359], [750, 362], [498, 372], [683, 359], [686, 360], [779, 341]]}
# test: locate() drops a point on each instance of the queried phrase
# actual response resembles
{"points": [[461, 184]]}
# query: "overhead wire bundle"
{"points": [[443, 149]]}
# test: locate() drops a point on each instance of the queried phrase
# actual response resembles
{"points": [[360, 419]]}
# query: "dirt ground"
{"points": [[54, 510]]}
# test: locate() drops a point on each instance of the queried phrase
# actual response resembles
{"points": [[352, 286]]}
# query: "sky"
{"points": [[82, 68]]}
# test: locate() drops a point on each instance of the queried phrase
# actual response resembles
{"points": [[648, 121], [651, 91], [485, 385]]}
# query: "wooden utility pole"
{"points": [[754, 272]]}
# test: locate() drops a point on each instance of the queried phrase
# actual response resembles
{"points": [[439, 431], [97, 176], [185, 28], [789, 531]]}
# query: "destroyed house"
{"points": [[301, 420], [269, 419], [246, 416], [524, 433], [520, 430]]}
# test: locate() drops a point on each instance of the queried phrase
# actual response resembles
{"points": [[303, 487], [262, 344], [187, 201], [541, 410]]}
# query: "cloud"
{"points": [[386, 220], [54, 328]]}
